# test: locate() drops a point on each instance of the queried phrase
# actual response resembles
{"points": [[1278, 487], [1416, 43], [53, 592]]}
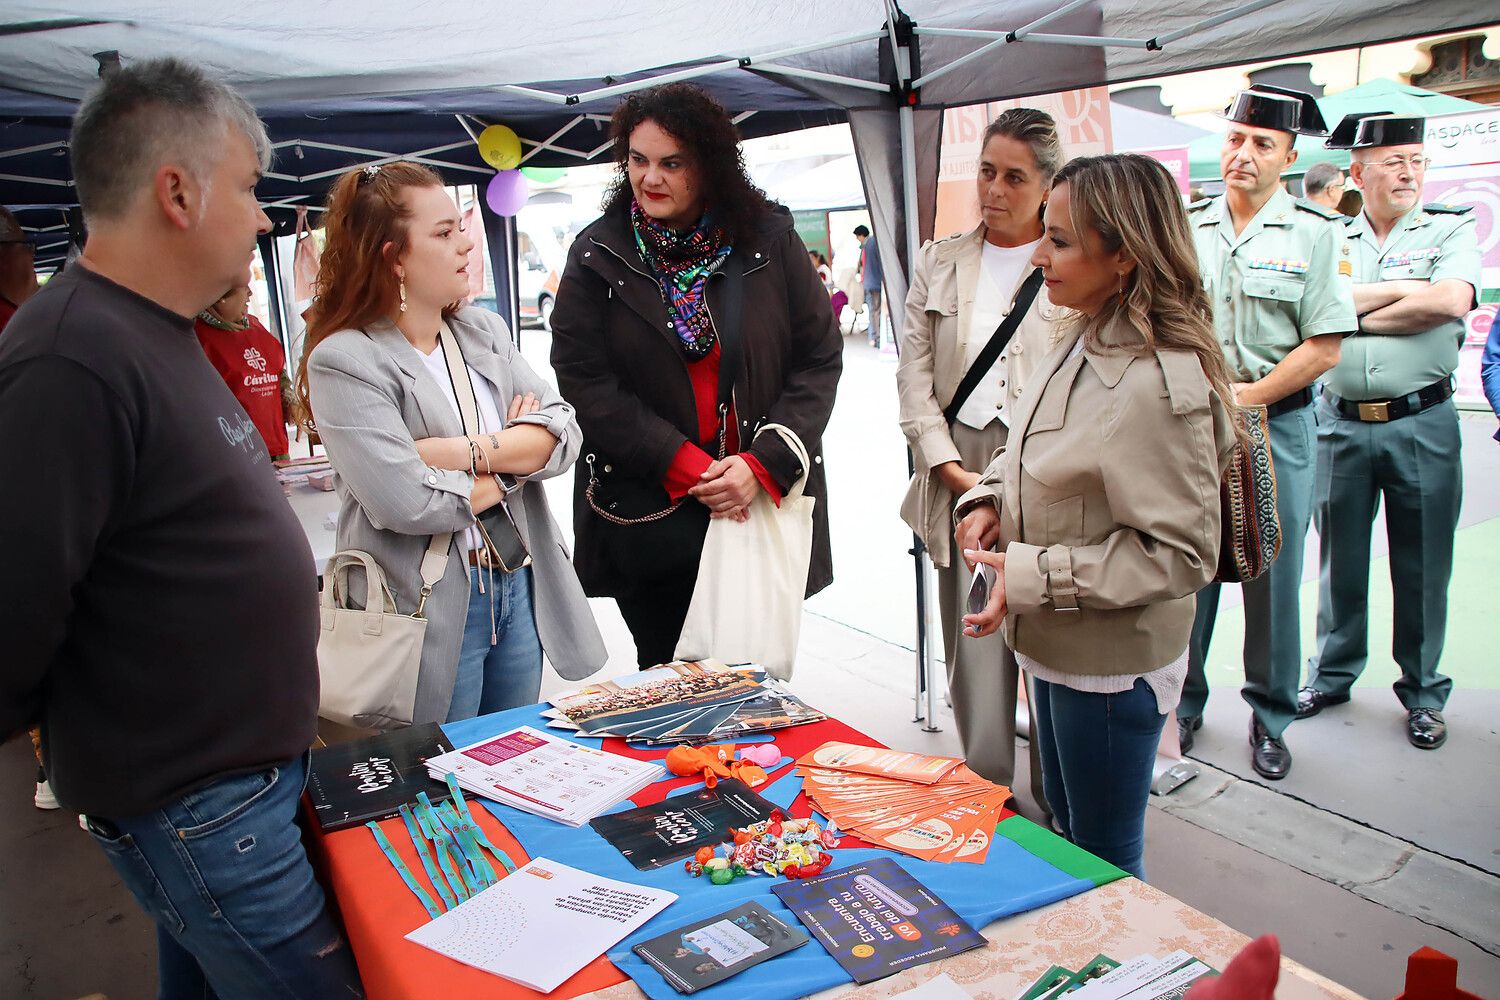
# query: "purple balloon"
{"points": [[507, 192]]}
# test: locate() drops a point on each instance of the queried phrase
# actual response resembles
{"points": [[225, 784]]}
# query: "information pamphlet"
{"points": [[541, 924], [546, 775], [1144, 977], [710, 951], [352, 783], [876, 919], [920, 768], [674, 828]]}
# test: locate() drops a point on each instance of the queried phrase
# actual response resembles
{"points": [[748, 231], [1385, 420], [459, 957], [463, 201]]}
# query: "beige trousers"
{"points": [[982, 673]]}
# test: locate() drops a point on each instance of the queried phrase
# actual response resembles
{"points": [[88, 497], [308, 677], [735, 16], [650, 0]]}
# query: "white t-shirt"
{"points": [[1000, 272], [485, 396]]}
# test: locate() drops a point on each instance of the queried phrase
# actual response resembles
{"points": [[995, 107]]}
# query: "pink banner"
{"points": [[1175, 159], [1478, 187]]}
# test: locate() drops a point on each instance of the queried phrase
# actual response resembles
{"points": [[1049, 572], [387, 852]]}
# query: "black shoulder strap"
{"points": [[996, 345]]}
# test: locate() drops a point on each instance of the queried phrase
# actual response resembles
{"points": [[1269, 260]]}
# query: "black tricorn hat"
{"points": [[1279, 108], [1386, 130], [1345, 131]]}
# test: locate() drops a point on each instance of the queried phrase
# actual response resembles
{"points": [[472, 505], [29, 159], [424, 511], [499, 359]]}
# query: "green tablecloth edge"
{"points": [[1057, 852]]}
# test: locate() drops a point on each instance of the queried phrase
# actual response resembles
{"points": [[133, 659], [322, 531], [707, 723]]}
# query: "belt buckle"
{"points": [[1375, 412]]}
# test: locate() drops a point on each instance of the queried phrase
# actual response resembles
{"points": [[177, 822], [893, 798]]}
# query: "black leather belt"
{"points": [[1296, 401], [1380, 411]]}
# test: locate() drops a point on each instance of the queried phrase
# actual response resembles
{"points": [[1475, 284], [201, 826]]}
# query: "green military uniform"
{"points": [[1283, 279], [1412, 462]]}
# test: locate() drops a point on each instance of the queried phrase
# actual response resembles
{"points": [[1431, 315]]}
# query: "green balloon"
{"points": [[544, 175]]}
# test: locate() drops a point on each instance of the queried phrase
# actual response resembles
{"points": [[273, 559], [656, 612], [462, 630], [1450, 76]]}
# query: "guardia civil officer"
{"points": [[1387, 426], [1276, 270]]}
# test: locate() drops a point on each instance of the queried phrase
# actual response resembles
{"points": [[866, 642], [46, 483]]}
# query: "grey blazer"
{"points": [[372, 398]]}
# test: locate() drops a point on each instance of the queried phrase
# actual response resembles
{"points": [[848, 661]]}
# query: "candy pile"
{"points": [[796, 848]]}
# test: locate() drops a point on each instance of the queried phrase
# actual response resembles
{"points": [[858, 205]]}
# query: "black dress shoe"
{"points": [[1426, 729], [1311, 701], [1268, 754], [1186, 726]]}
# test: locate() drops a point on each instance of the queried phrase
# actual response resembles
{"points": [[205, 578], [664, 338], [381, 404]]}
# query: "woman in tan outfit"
{"points": [[963, 289], [1104, 507]]}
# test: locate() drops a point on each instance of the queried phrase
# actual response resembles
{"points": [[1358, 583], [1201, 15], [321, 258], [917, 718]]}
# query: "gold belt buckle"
{"points": [[1375, 412]]}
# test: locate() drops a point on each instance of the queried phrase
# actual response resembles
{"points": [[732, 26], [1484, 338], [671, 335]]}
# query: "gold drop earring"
{"points": [[403, 293]]}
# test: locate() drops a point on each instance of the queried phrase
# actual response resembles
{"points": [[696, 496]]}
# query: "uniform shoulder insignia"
{"points": [[1200, 204], [1443, 209], [1319, 210]]}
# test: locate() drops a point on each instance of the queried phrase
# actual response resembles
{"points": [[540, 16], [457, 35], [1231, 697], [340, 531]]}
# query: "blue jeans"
{"points": [[1097, 751], [223, 873], [509, 673]]}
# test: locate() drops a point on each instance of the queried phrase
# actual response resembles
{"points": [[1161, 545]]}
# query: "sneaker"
{"points": [[44, 799]]}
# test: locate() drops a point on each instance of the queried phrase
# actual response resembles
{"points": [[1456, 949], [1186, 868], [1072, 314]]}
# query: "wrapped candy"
{"points": [[796, 848]]}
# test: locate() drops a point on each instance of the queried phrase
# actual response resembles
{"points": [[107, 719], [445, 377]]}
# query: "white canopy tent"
{"points": [[553, 72]]}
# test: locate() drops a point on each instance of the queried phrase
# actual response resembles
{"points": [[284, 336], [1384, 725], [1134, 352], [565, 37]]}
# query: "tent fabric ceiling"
{"points": [[385, 78]]}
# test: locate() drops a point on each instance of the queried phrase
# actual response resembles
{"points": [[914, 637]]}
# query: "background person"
{"points": [[1105, 503], [962, 290], [1323, 184], [18, 281], [870, 276], [1388, 429], [636, 349], [1277, 274], [250, 361], [142, 571], [376, 383]]}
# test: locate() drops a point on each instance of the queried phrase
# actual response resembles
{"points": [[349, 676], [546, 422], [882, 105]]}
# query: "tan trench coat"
{"points": [[934, 344], [1108, 494]]}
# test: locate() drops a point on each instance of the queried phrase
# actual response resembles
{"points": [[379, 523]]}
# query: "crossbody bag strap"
{"points": [[996, 345]]}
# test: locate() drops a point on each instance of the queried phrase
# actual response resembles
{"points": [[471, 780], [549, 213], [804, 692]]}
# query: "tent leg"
{"points": [[926, 692]]}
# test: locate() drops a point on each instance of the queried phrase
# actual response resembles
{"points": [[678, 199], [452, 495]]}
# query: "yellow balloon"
{"points": [[500, 147]]}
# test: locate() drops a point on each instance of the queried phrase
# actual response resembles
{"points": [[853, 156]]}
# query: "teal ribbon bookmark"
{"points": [[415, 833], [403, 871], [462, 806]]}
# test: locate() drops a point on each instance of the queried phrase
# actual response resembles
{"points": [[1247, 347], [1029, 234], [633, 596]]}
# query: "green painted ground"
{"points": [[1472, 654]]}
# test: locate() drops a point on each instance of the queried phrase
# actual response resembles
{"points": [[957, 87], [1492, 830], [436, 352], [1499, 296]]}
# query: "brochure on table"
{"points": [[546, 775], [541, 924]]}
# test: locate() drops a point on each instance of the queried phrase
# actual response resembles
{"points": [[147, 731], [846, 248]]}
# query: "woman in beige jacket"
{"points": [[1105, 502], [962, 289]]}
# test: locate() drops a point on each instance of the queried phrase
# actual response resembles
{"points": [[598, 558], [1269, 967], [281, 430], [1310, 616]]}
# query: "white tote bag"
{"points": [[747, 604], [369, 658]]}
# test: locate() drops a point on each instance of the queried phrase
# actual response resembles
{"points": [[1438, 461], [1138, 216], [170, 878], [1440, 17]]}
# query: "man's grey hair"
{"points": [[147, 114], [1318, 177]]}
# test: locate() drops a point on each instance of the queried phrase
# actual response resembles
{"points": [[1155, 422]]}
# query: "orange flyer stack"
{"points": [[932, 808]]}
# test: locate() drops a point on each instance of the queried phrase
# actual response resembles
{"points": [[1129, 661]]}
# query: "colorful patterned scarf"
{"points": [[682, 263]]}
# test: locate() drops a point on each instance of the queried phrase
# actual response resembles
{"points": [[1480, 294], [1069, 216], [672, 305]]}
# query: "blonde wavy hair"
{"points": [[1129, 201]]}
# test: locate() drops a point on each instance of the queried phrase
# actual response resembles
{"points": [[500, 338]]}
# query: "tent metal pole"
{"points": [[1047, 19], [926, 709], [1098, 41], [696, 71], [1215, 21], [812, 74], [964, 60]]}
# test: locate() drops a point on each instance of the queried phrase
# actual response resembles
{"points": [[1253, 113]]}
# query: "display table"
{"points": [[312, 507], [1055, 903]]}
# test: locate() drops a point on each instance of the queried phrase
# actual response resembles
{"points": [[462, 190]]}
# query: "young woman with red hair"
{"points": [[377, 385]]}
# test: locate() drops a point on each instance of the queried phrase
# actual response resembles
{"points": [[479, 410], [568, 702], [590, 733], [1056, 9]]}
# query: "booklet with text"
{"points": [[542, 923]]}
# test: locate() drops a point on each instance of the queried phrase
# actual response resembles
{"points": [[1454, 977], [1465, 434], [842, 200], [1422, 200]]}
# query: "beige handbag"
{"points": [[369, 659]]}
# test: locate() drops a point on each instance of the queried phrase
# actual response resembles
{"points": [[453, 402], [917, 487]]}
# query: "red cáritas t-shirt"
{"points": [[251, 362]]}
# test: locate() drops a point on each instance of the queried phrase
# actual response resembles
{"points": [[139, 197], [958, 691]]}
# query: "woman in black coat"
{"points": [[670, 407]]}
